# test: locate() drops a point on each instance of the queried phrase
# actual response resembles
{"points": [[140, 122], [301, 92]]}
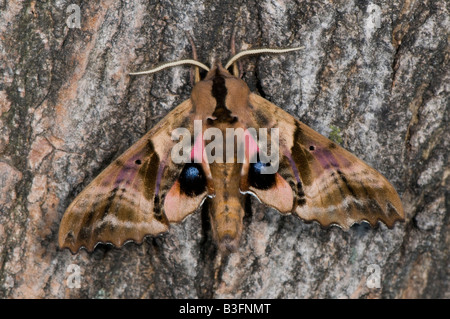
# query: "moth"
{"points": [[144, 190]]}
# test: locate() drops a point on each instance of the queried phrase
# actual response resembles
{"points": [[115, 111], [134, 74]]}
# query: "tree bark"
{"points": [[374, 75]]}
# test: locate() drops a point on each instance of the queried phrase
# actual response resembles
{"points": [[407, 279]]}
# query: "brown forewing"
{"points": [[124, 203], [331, 185]]}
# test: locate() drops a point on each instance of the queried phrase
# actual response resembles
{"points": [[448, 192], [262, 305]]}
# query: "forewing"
{"points": [[329, 184], [125, 202]]}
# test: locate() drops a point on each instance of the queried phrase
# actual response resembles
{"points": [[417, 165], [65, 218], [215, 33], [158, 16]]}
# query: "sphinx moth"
{"points": [[145, 190]]}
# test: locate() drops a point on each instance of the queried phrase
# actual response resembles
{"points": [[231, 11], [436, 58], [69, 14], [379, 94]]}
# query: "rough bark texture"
{"points": [[373, 74]]}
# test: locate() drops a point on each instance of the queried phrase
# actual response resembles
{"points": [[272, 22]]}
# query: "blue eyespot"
{"points": [[192, 180], [259, 180]]}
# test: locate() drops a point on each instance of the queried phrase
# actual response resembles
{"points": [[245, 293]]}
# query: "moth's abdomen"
{"points": [[226, 208], [227, 222]]}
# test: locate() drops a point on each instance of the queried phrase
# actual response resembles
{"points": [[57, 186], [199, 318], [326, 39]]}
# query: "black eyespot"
{"points": [[312, 148], [259, 180], [138, 162], [192, 180]]}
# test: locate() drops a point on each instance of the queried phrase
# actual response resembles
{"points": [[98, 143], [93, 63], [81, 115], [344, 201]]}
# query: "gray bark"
{"points": [[377, 71]]}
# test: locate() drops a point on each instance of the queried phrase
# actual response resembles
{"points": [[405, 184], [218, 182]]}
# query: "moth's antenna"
{"points": [[171, 64], [194, 56], [236, 72], [258, 51], [192, 61]]}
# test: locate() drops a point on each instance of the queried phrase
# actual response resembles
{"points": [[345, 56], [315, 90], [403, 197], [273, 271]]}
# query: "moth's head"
{"points": [[218, 70]]}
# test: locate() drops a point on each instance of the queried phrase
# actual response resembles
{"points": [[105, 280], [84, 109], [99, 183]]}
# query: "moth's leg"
{"points": [[237, 66], [194, 56]]}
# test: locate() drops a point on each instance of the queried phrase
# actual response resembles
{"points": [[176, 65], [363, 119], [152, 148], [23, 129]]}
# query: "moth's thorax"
{"points": [[220, 96]]}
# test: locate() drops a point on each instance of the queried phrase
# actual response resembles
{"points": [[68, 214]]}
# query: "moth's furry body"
{"points": [[143, 191], [226, 208]]}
